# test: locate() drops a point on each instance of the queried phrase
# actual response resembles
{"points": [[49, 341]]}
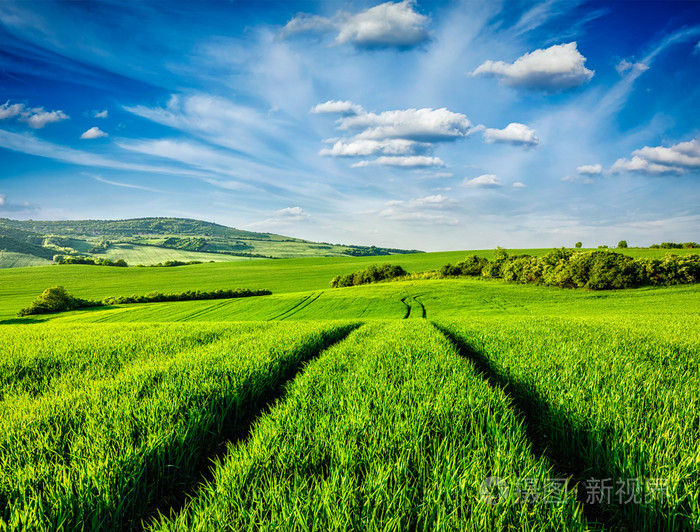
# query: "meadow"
{"points": [[437, 404]]}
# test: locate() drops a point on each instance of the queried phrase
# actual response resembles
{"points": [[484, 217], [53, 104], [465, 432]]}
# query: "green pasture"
{"points": [[374, 407]]}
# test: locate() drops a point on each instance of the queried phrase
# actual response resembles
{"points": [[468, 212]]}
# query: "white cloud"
{"points": [[437, 201], [415, 210], [338, 106], [518, 184], [388, 24], [401, 138], [514, 133], [555, 68], [683, 154], [625, 66], [590, 169], [365, 147], [305, 23], [423, 125], [292, 214], [11, 111], [282, 218], [483, 181], [93, 133], [101, 114], [2, 200], [36, 117], [643, 166], [391, 24], [410, 161], [676, 159]]}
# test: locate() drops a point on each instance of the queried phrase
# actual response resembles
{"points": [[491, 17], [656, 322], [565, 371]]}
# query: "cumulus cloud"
{"points": [[657, 160], [365, 147], [423, 125], [410, 161], [514, 133], [558, 67], [401, 138], [3, 200], [101, 114], [36, 117], [11, 111], [590, 169], [387, 25], [338, 106], [625, 66], [483, 181], [518, 184], [93, 133]]}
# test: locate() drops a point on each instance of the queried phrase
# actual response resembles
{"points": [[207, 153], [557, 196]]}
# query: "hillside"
{"points": [[150, 241]]}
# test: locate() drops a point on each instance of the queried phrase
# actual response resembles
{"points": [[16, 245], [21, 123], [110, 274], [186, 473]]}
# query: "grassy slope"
{"points": [[9, 259], [19, 286], [146, 255]]}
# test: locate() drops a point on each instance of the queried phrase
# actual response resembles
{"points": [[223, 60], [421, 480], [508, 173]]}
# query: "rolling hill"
{"points": [[149, 241]]}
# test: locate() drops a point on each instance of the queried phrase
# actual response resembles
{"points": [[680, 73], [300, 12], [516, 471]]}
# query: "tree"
{"points": [[622, 244], [578, 244]]}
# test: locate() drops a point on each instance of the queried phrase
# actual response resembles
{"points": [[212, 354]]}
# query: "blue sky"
{"points": [[430, 125]]}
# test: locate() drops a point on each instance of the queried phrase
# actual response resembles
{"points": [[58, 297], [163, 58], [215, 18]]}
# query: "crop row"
{"points": [[100, 442], [617, 403], [388, 430]]}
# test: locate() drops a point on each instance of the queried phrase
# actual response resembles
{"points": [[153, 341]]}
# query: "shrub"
{"points": [[55, 299], [371, 274]]}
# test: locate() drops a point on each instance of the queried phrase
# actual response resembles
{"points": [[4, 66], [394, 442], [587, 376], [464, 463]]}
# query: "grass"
{"points": [[147, 255], [388, 430], [393, 428], [613, 397], [9, 259], [93, 444]]}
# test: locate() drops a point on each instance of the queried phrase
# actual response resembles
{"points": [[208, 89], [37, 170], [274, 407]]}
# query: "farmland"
{"points": [[322, 408]]}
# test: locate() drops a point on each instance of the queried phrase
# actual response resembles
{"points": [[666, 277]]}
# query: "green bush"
{"points": [[371, 274], [55, 299], [593, 270]]}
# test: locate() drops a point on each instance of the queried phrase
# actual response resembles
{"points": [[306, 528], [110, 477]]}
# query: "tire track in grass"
{"points": [[596, 518], [295, 308], [414, 308], [239, 431], [305, 304]]}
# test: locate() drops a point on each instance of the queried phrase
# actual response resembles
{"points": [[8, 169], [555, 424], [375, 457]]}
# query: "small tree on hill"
{"points": [[622, 244], [578, 244]]}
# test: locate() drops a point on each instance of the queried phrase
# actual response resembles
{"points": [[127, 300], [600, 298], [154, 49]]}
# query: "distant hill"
{"points": [[149, 241]]}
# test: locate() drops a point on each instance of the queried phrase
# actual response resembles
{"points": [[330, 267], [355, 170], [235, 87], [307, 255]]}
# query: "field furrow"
{"points": [[100, 451], [616, 404], [388, 430]]}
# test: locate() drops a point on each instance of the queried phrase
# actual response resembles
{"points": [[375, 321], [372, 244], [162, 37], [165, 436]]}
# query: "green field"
{"points": [[9, 259], [376, 407]]}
